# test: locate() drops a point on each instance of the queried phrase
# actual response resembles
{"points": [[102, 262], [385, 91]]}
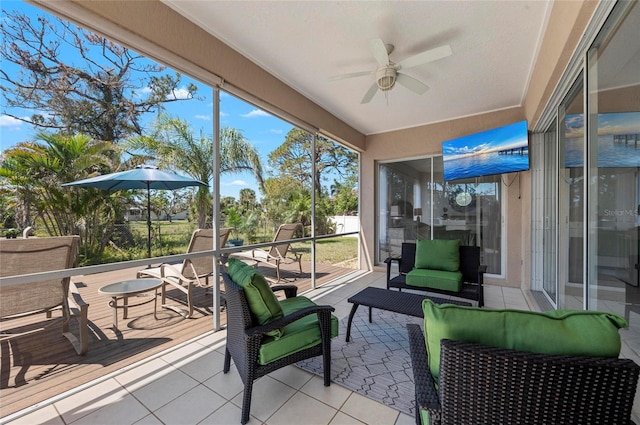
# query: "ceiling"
{"points": [[303, 43]]}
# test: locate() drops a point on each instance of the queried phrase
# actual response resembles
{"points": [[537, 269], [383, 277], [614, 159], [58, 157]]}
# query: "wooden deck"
{"points": [[37, 367]]}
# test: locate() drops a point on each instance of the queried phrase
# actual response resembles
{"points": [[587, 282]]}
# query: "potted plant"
{"points": [[250, 226], [11, 233], [234, 220]]}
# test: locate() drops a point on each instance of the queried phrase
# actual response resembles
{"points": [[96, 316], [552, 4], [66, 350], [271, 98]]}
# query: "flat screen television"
{"points": [[500, 150], [618, 140]]}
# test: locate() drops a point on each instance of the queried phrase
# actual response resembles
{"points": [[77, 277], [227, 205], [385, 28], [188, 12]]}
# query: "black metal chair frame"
{"points": [[480, 384], [244, 337], [472, 273]]}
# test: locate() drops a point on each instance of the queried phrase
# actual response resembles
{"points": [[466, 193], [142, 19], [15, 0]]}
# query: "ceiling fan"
{"points": [[390, 72]]}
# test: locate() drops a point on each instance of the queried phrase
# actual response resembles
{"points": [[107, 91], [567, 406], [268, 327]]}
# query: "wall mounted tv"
{"points": [[618, 140], [500, 150]]}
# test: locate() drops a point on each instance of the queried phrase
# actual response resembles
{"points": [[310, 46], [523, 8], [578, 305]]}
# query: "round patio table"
{"points": [[134, 287]]}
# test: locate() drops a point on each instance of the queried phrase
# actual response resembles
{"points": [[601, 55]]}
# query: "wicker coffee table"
{"points": [[395, 301]]}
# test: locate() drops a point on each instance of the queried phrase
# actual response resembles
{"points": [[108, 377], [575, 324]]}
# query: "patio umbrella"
{"points": [[142, 177]]}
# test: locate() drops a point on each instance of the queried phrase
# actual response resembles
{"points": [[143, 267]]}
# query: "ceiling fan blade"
{"points": [[370, 93], [412, 84], [351, 75], [425, 57], [380, 52]]}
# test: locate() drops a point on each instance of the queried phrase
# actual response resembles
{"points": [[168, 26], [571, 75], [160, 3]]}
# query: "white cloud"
{"points": [[223, 114], [255, 113], [10, 122], [143, 92], [235, 183], [181, 93], [203, 117], [275, 131]]}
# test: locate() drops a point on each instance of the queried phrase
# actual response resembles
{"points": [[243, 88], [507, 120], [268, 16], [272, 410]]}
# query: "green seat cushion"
{"points": [[437, 279], [296, 336], [263, 303], [438, 254], [566, 332]]}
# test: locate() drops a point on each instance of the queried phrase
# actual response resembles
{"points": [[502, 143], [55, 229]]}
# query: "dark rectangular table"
{"points": [[395, 301]]}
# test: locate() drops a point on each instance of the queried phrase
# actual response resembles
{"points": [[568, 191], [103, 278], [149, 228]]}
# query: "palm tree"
{"points": [[35, 171], [176, 147]]}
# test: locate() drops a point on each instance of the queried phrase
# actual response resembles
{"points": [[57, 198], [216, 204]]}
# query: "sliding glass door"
{"points": [[416, 203]]}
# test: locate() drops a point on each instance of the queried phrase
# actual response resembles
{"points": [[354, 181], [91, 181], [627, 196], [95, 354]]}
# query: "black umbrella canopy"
{"points": [[142, 177]]}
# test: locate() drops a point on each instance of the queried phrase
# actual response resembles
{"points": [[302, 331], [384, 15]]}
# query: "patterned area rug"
{"points": [[376, 363]]}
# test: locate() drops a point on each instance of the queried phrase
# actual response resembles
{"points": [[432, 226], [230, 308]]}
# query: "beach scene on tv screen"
{"points": [[618, 140], [496, 151]]}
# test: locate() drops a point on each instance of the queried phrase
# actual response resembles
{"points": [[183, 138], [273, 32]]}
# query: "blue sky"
{"points": [[263, 130], [508, 136], [611, 123]]}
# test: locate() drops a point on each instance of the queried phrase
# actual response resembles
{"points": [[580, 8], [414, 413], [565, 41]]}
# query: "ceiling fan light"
{"points": [[386, 78]]}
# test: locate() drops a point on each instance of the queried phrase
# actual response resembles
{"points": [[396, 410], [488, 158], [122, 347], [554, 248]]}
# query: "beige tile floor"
{"points": [[185, 385]]}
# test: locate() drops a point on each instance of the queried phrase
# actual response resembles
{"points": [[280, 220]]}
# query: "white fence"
{"points": [[346, 223]]}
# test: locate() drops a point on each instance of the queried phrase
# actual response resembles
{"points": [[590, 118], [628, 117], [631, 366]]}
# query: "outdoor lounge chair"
{"points": [[192, 271], [277, 254], [36, 255], [265, 334]]}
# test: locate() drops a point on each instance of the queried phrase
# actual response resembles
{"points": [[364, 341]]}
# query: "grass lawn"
{"points": [[174, 239]]}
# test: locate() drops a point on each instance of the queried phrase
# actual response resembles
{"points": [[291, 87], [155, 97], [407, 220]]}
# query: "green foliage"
{"points": [[175, 146], [35, 172], [250, 226], [248, 200], [345, 197], [233, 219], [295, 159], [167, 203]]}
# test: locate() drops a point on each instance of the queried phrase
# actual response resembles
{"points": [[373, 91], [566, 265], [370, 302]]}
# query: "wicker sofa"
{"points": [[514, 367], [471, 272]]}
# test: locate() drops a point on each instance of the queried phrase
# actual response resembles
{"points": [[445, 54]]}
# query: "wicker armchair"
{"points": [[480, 384], [470, 267], [245, 338]]}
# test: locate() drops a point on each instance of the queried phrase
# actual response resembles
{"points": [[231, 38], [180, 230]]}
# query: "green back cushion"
{"points": [[299, 335], [263, 303], [438, 254], [568, 332]]}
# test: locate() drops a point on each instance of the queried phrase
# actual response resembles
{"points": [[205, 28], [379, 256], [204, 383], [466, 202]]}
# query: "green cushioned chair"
{"points": [[439, 266], [474, 365], [265, 334]]}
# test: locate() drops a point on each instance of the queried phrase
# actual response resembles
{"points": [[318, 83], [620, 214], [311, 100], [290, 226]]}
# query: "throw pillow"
{"points": [[263, 303]]}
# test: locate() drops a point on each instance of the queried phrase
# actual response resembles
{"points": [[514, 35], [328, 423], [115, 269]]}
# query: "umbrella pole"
{"points": [[148, 221]]}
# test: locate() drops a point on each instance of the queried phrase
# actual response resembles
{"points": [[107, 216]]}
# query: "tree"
{"points": [[36, 170], [174, 146], [168, 203], [294, 158], [247, 200], [101, 89], [345, 197]]}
